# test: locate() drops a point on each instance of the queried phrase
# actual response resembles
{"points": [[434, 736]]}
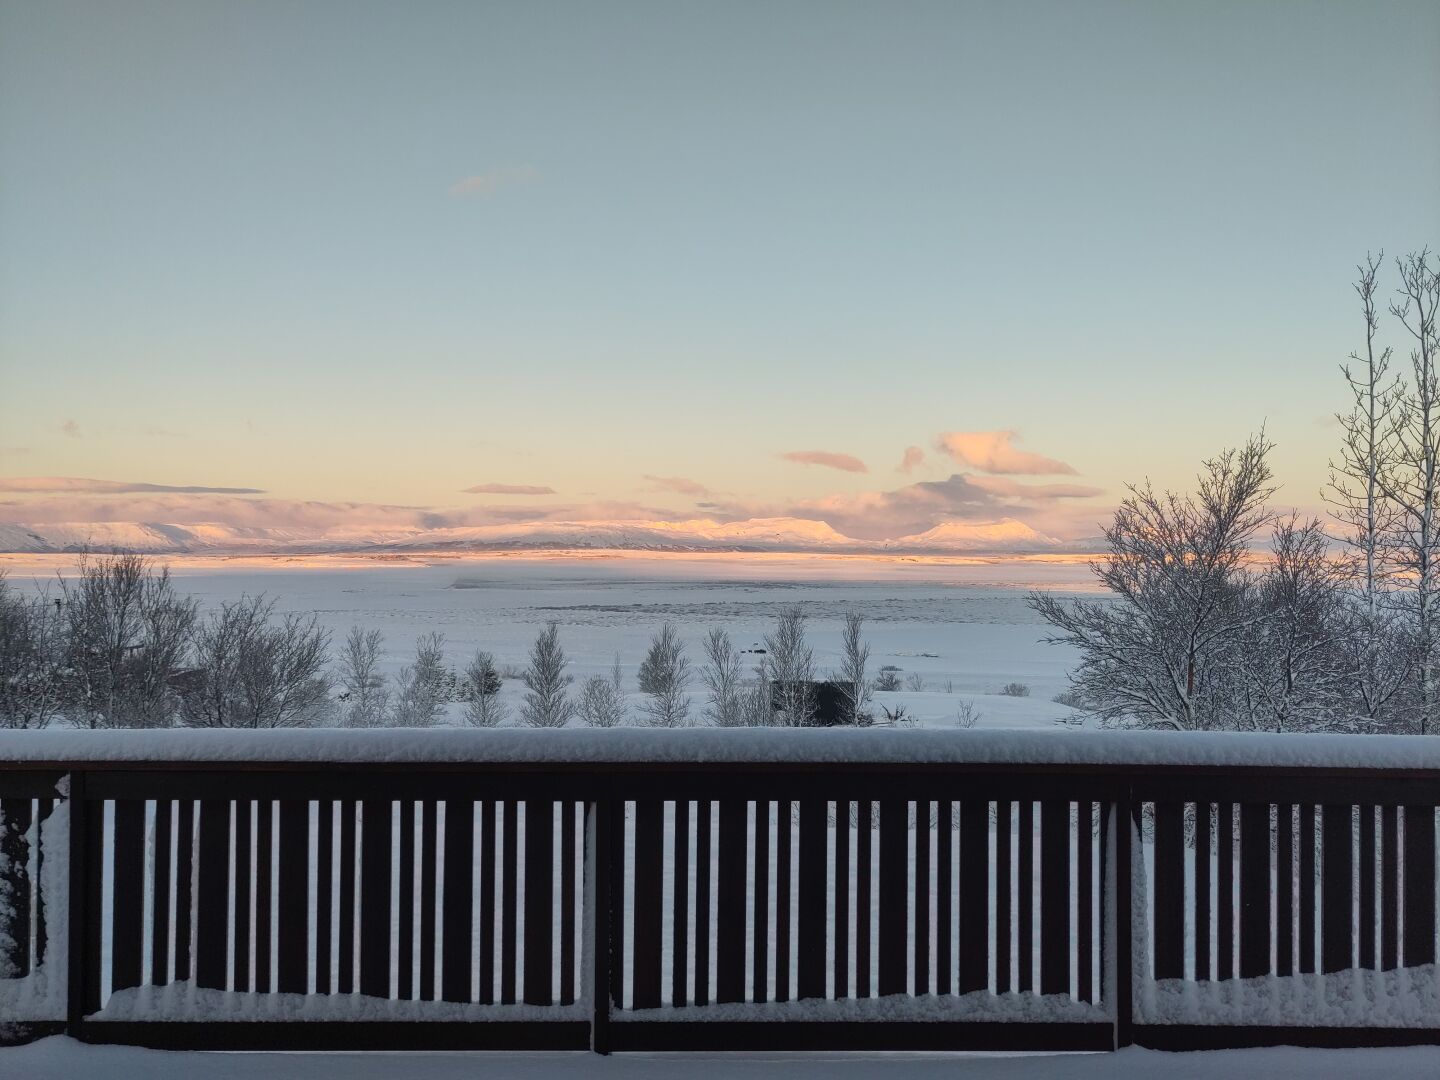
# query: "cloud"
{"points": [[488, 183], [913, 457], [77, 485], [509, 489], [904, 511], [678, 484], [990, 451], [71, 428], [843, 462]]}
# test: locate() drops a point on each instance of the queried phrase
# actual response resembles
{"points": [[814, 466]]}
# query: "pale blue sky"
{"points": [[233, 253]]}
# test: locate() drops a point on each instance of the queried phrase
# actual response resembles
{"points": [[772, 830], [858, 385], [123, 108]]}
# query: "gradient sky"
{"points": [[637, 253]]}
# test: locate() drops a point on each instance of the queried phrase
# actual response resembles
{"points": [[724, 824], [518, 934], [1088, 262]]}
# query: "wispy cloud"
{"points": [[827, 459], [992, 452], [71, 428], [679, 484], [488, 183], [913, 456], [78, 485], [509, 489]]}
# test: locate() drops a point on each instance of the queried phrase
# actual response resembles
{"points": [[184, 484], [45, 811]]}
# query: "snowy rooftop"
{"points": [[716, 746]]}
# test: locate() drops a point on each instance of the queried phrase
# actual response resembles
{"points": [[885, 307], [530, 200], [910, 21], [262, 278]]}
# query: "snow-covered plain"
{"points": [[960, 625]]}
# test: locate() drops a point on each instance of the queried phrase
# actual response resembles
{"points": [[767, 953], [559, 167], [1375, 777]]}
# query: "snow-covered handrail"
{"points": [[1126, 750]]}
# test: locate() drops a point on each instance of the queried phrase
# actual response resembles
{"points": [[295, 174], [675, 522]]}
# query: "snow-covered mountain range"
{"points": [[797, 535]]}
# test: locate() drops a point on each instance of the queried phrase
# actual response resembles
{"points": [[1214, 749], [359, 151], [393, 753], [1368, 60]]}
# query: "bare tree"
{"points": [[1411, 480], [664, 675], [855, 685], [364, 693], [421, 689], [721, 674], [126, 630], [791, 666], [602, 699], [1376, 656], [757, 699], [547, 704], [1156, 654], [253, 671], [483, 707], [33, 675], [1295, 671]]}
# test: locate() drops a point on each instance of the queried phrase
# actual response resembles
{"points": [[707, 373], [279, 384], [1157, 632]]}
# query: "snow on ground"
{"points": [[961, 627], [64, 1059]]}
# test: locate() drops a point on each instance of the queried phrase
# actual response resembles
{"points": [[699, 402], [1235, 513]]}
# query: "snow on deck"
{"points": [[63, 1059], [717, 746]]}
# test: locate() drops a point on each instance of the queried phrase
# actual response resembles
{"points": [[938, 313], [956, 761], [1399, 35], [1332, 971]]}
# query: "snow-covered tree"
{"points": [[852, 677], [664, 676], [1411, 481], [126, 633], [721, 675], [791, 668], [424, 686], [602, 699], [483, 707], [1156, 654], [363, 690], [547, 705], [33, 673], [253, 670]]}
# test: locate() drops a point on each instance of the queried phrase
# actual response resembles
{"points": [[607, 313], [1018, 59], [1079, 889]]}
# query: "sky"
{"points": [[883, 265]]}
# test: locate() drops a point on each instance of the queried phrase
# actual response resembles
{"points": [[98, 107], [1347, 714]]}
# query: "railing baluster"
{"points": [[1419, 885], [1335, 877], [894, 895], [1389, 888], [1224, 890], [703, 877], [1025, 901], [240, 893], [649, 903], [730, 904], [345, 933], [509, 885], [458, 900], [680, 906], [975, 897], [1055, 896], [1084, 887], [944, 908], [568, 811], [375, 852], [813, 895], [760, 908], [842, 900], [184, 889], [160, 875], [487, 902], [864, 867], [1004, 840], [1203, 847], [783, 841], [264, 852], [539, 901], [1169, 889], [405, 898], [429, 843], [922, 897]]}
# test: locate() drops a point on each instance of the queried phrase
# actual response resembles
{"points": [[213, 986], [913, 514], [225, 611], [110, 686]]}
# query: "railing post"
{"points": [[598, 846], [79, 893], [1123, 921]]}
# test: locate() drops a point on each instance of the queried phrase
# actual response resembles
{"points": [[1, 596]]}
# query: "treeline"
{"points": [[119, 646], [1199, 634]]}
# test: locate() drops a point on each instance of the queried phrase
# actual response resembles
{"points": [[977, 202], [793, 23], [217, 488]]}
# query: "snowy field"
{"points": [[961, 625], [65, 1059]]}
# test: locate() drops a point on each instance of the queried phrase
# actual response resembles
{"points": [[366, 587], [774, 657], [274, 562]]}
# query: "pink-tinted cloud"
{"points": [[913, 456], [509, 489], [71, 428], [827, 459], [681, 485], [992, 452], [493, 180], [78, 485], [914, 508]]}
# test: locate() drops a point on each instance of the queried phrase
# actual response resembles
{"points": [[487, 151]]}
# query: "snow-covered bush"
{"points": [[791, 668], [602, 700], [483, 707], [364, 696]]}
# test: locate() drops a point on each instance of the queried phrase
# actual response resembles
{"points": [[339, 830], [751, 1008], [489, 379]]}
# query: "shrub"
{"points": [[1015, 689]]}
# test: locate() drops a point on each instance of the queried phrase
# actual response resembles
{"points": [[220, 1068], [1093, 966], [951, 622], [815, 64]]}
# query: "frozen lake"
{"points": [[961, 626]]}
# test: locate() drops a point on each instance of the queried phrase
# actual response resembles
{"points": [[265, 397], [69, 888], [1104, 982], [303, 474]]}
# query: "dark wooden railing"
{"points": [[677, 904]]}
